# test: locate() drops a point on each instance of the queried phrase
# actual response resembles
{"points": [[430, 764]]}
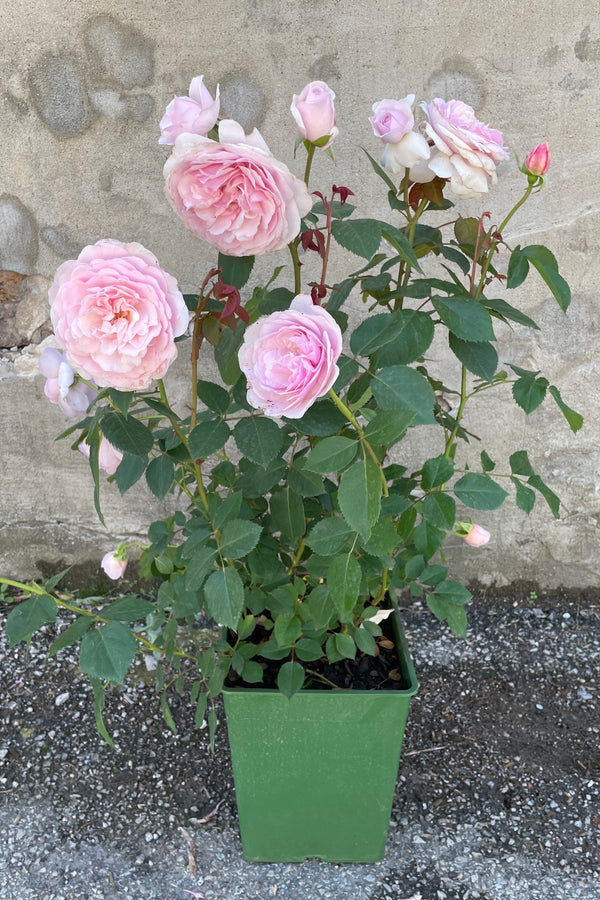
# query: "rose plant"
{"points": [[298, 516]]}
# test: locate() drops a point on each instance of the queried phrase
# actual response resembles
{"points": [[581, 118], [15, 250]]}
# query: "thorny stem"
{"points": [[181, 435]]}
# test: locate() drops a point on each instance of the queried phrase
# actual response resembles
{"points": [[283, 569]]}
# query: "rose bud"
{"points": [[476, 536], [314, 112], [538, 161], [115, 563]]}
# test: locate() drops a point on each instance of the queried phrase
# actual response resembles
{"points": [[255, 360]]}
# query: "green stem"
{"points": [[495, 241], [197, 469], [309, 158], [293, 248], [463, 399], [361, 436]]}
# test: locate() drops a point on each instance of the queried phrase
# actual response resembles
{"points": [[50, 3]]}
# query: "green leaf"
{"points": [[130, 469], [159, 476], [525, 497], [478, 357], [252, 673], [400, 242], [574, 419], [199, 567], [359, 496], [308, 650], [127, 434], [384, 539], [382, 174], [108, 652], [400, 387], [545, 262], [99, 702], [238, 538], [365, 641], [506, 311], [519, 463], [291, 678], [549, 496], [235, 270], [439, 509], [479, 491], [317, 607], [304, 482], [466, 230], [71, 635], [226, 353], [388, 427], [518, 269], [436, 471], [447, 603], [464, 317], [414, 338], [287, 511], [128, 609], [331, 454], [287, 629], [224, 597], [529, 391], [487, 464], [428, 538], [214, 397], [322, 419], [343, 579], [208, 437], [28, 616], [330, 536], [345, 646], [360, 236], [398, 337], [259, 439]]}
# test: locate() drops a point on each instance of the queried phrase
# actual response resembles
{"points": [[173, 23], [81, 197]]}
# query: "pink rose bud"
{"points": [[108, 456], [314, 112], [393, 119], [195, 114], [538, 161], [115, 563], [476, 536], [62, 385], [289, 358]]}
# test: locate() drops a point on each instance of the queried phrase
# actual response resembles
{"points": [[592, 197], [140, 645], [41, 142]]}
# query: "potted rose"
{"points": [[297, 518]]}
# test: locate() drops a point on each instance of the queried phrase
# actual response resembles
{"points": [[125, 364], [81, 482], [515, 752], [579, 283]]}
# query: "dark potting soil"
{"points": [[380, 672]]}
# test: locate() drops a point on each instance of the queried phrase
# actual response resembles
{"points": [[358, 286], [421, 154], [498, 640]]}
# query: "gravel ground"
{"points": [[497, 796]]}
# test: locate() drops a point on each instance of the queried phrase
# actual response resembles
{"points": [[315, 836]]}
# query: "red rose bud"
{"points": [[538, 161]]}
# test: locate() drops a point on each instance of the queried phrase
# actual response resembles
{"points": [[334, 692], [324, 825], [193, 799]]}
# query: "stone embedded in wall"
{"points": [[457, 80], [58, 91], [115, 105], [24, 309], [120, 53], [18, 236], [242, 100], [58, 238]]}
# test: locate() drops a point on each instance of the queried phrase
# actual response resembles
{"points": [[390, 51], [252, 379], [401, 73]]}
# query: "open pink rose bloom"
{"points": [[467, 150], [195, 114], [233, 193], [289, 358], [116, 313]]}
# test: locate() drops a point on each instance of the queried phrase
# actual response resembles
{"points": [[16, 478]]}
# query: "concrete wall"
{"points": [[83, 86]]}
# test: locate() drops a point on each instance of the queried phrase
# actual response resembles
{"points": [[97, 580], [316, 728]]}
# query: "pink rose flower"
{"points": [[195, 114], [62, 386], [314, 112], [393, 121], [289, 358], [117, 314], [468, 151], [108, 456], [234, 194], [538, 161], [114, 564], [476, 536]]}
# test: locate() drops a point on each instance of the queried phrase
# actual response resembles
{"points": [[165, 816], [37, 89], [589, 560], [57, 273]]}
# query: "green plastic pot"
{"points": [[315, 775]]}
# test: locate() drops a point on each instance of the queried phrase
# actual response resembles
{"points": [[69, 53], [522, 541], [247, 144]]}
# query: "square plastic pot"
{"points": [[315, 774]]}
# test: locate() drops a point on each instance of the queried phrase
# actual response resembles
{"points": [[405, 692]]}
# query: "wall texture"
{"points": [[83, 86]]}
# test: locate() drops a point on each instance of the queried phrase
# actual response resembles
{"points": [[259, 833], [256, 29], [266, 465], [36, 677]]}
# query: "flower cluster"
{"points": [[300, 517]]}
